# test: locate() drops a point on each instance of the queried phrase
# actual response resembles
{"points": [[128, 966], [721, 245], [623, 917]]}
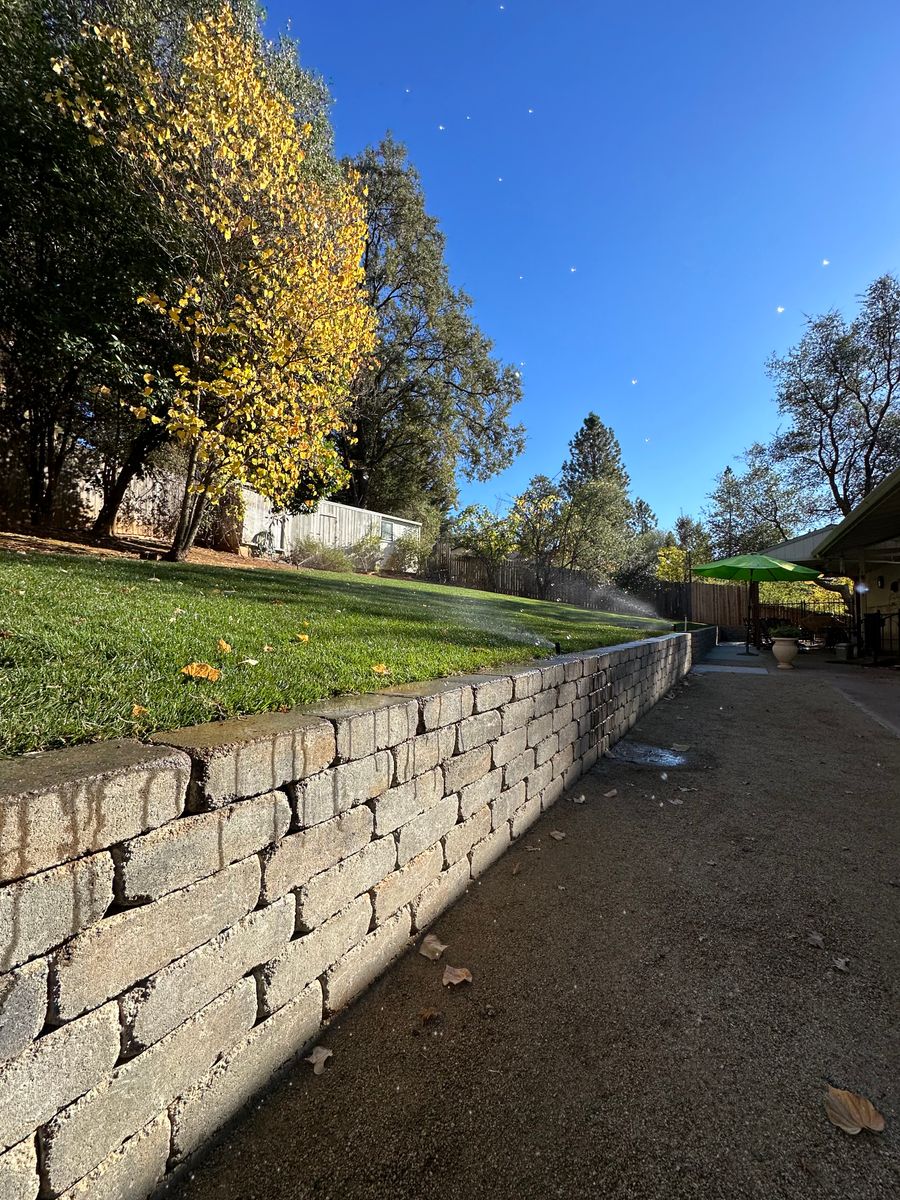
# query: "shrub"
{"points": [[307, 552], [404, 555], [365, 553]]}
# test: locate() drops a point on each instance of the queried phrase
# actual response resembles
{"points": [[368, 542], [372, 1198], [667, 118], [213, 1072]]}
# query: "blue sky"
{"points": [[695, 163]]}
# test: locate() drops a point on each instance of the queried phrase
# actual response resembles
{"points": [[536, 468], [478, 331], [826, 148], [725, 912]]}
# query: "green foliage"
{"points": [[487, 534], [115, 633], [437, 400], [405, 555], [365, 553], [594, 453], [310, 553]]}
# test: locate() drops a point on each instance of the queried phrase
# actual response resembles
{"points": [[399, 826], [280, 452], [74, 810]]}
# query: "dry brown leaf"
{"points": [[138, 710], [842, 964], [201, 670], [268, 649], [223, 647], [318, 1057], [612, 792], [816, 939], [557, 835], [517, 868], [432, 947], [429, 1015], [681, 747], [456, 975], [852, 1112]]}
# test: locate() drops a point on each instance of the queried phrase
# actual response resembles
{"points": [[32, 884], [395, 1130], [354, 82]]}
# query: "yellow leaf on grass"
{"points": [[380, 669], [201, 670], [302, 637], [852, 1112], [223, 646], [138, 710]]}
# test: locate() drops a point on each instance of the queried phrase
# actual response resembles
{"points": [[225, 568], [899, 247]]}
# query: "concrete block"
{"points": [[506, 804], [518, 768], [567, 694], [461, 838], [423, 753], [491, 691], [439, 895], [23, 1008], [517, 714], [63, 804], [43, 910], [300, 856], [133, 1171], [476, 730], [441, 701], [545, 750], [552, 792], [562, 759], [398, 805], [562, 715], [466, 768], [251, 755], [18, 1172], [544, 702], [423, 831], [334, 791], [190, 849], [114, 954], [510, 746], [170, 997], [245, 1071], [305, 958], [329, 891], [82, 1135], [525, 683], [479, 793], [568, 735], [405, 884], [538, 779], [57, 1069], [489, 850], [540, 728], [552, 673], [354, 972], [366, 724], [525, 816]]}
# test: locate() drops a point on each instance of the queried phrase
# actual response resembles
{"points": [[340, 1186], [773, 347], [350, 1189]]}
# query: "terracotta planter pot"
{"points": [[785, 650]]}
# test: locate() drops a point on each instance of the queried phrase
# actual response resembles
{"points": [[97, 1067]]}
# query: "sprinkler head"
{"points": [[558, 647]]}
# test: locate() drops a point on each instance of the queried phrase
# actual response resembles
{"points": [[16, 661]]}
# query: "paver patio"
{"points": [[647, 1018]]}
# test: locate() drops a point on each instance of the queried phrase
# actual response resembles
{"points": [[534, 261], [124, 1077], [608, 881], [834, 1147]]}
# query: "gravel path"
{"points": [[647, 1019]]}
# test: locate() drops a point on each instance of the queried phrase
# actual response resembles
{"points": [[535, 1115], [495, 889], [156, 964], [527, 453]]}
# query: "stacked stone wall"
{"points": [[178, 920]]}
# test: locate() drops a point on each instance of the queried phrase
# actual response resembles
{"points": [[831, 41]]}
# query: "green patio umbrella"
{"points": [[753, 568]]}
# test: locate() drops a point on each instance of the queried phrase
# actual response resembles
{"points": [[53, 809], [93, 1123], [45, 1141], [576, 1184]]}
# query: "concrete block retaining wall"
{"points": [[178, 920]]}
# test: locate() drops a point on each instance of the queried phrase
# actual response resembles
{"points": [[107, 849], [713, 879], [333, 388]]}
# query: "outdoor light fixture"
{"points": [[879, 582]]}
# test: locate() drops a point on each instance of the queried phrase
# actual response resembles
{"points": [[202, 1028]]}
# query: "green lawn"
{"points": [[93, 648]]}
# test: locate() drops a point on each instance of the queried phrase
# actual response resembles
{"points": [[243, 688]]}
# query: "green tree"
{"points": [[839, 390], [594, 453], [437, 401], [490, 536]]}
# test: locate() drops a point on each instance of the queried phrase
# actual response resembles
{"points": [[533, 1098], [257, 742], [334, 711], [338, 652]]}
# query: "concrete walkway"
{"points": [[647, 1019]]}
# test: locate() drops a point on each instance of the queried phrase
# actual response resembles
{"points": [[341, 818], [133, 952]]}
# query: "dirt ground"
{"points": [[125, 547], [647, 1018]]}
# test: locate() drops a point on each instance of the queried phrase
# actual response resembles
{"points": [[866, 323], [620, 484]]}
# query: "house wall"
{"points": [[331, 523], [178, 920]]}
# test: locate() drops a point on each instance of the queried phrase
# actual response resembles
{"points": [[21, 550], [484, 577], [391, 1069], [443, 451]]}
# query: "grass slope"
{"points": [[85, 641]]}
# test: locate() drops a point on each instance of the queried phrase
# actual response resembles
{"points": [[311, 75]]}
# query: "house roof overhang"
{"points": [[873, 526]]}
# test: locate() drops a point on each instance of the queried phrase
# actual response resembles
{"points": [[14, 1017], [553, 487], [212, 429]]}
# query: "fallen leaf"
{"points": [[456, 975], [138, 710], [301, 637], [432, 947], [268, 649], [842, 964], [816, 939], [429, 1015], [318, 1058], [612, 792], [6, 633], [533, 849], [557, 836], [223, 647], [578, 799], [680, 747], [249, 662], [201, 670], [517, 868], [852, 1112], [380, 669]]}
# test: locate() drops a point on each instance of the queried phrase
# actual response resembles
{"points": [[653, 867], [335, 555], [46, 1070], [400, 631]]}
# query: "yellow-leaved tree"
{"points": [[264, 305]]}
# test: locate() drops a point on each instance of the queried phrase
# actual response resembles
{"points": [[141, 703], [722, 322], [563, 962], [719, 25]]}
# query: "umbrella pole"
{"points": [[746, 649]]}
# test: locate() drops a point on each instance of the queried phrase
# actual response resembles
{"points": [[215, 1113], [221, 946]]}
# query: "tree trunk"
{"points": [[147, 441], [193, 506]]}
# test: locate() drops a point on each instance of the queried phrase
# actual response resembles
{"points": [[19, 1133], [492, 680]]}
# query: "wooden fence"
{"points": [[726, 605]]}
